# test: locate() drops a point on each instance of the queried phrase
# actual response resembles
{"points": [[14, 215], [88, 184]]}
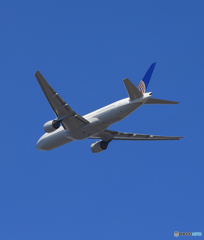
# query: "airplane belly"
{"points": [[52, 141], [80, 135], [127, 110], [119, 113], [88, 130]]}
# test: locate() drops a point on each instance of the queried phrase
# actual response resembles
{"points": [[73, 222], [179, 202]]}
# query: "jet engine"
{"points": [[99, 146], [51, 126]]}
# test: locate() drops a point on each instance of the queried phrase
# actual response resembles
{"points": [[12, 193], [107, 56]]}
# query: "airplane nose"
{"points": [[40, 146]]}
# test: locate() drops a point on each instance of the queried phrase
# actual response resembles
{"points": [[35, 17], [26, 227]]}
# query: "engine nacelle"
{"points": [[99, 146], [51, 126]]}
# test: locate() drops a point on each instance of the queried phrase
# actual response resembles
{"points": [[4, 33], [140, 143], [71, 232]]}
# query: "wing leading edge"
{"points": [[69, 118], [113, 135]]}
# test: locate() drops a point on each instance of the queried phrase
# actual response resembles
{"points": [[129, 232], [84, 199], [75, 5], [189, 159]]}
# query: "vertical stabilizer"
{"points": [[145, 81], [132, 91]]}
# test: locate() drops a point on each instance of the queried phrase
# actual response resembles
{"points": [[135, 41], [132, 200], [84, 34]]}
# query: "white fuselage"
{"points": [[99, 120]]}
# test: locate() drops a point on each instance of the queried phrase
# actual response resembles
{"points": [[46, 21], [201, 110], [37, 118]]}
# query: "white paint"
{"points": [[99, 120]]}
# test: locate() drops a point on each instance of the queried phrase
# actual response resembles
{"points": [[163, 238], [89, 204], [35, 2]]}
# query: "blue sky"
{"points": [[134, 190]]}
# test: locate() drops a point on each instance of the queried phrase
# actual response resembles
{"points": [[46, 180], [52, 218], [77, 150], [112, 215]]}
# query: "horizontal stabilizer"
{"points": [[132, 91], [159, 101]]}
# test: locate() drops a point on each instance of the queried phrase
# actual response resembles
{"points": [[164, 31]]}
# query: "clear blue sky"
{"points": [[134, 190]]}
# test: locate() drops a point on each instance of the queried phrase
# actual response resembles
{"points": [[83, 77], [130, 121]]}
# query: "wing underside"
{"points": [[69, 118], [113, 135]]}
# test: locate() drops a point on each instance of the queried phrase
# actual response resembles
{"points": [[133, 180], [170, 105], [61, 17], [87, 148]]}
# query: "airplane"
{"points": [[69, 125]]}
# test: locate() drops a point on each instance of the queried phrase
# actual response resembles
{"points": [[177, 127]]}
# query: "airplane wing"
{"points": [[69, 118], [108, 135]]}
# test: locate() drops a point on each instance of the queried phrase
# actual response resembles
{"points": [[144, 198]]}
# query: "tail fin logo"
{"points": [[141, 87]]}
